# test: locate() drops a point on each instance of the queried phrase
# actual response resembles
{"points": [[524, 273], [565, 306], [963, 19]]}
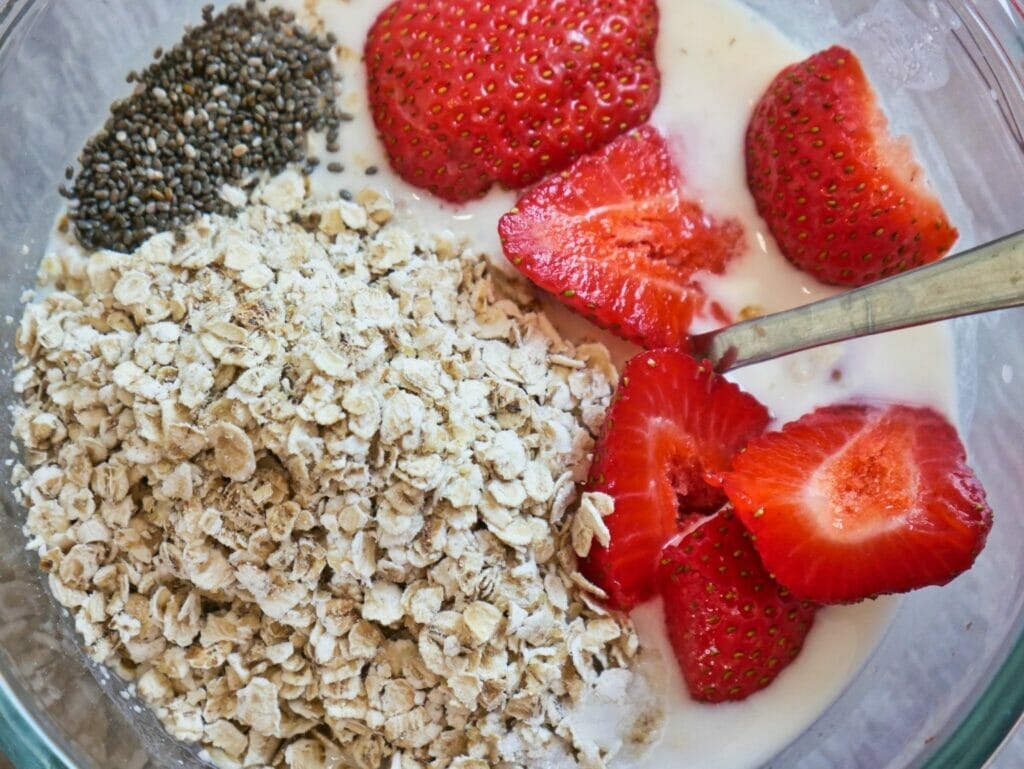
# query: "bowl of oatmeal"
{"points": [[300, 465]]}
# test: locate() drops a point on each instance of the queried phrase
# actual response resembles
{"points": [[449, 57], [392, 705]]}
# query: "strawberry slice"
{"points": [[732, 627], [673, 424], [853, 501], [466, 93], [845, 200], [614, 238]]}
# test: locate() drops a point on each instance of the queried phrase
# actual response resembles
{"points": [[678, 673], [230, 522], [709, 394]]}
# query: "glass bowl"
{"points": [[943, 687]]}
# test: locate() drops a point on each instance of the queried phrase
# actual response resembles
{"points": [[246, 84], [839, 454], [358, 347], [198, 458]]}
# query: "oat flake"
{"points": [[291, 478]]}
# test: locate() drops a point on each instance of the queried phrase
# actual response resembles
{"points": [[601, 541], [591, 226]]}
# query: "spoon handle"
{"points": [[986, 278]]}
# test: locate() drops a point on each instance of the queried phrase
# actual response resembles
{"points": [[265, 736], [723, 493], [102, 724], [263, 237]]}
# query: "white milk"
{"points": [[716, 58]]}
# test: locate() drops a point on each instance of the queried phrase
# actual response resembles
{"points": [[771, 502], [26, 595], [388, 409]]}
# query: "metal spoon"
{"points": [[986, 278]]}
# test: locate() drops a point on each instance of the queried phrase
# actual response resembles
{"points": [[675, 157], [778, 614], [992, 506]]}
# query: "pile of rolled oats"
{"points": [[303, 476]]}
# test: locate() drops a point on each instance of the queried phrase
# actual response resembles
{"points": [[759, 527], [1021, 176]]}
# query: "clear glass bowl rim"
{"points": [[976, 741]]}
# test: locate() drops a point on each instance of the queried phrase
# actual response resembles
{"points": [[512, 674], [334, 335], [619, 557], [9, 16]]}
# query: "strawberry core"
{"points": [[693, 494], [683, 471], [867, 487]]}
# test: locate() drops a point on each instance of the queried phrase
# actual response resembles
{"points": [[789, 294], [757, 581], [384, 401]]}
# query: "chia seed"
{"points": [[236, 96]]}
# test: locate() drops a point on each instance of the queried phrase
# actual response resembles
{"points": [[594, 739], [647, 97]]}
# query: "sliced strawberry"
{"points": [[854, 501], [732, 627], [614, 238], [845, 200], [673, 422], [466, 93]]}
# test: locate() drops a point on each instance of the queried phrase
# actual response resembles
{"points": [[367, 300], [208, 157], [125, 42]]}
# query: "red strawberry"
{"points": [[614, 238], [732, 627], [845, 200], [466, 93], [673, 423], [854, 501]]}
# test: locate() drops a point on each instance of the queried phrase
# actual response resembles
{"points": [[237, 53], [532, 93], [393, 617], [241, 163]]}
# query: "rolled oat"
{"points": [[303, 476]]}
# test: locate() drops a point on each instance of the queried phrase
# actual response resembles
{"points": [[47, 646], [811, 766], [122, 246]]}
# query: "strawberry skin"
{"points": [[845, 201], [853, 501], [733, 628], [672, 425], [614, 239], [466, 93]]}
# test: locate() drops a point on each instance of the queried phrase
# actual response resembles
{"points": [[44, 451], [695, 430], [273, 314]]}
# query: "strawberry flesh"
{"points": [[615, 239], [732, 627], [845, 201], [465, 93], [853, 501], [673, 424]]}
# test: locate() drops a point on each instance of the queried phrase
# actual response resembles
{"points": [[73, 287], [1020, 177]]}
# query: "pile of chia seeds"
{"points": [[237, 95]]}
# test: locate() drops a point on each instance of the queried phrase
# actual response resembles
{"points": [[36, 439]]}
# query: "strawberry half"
{"points": [[466, 93], [853, 501], [732, 627], [845, 200], [614, 238], [672, 424]]}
